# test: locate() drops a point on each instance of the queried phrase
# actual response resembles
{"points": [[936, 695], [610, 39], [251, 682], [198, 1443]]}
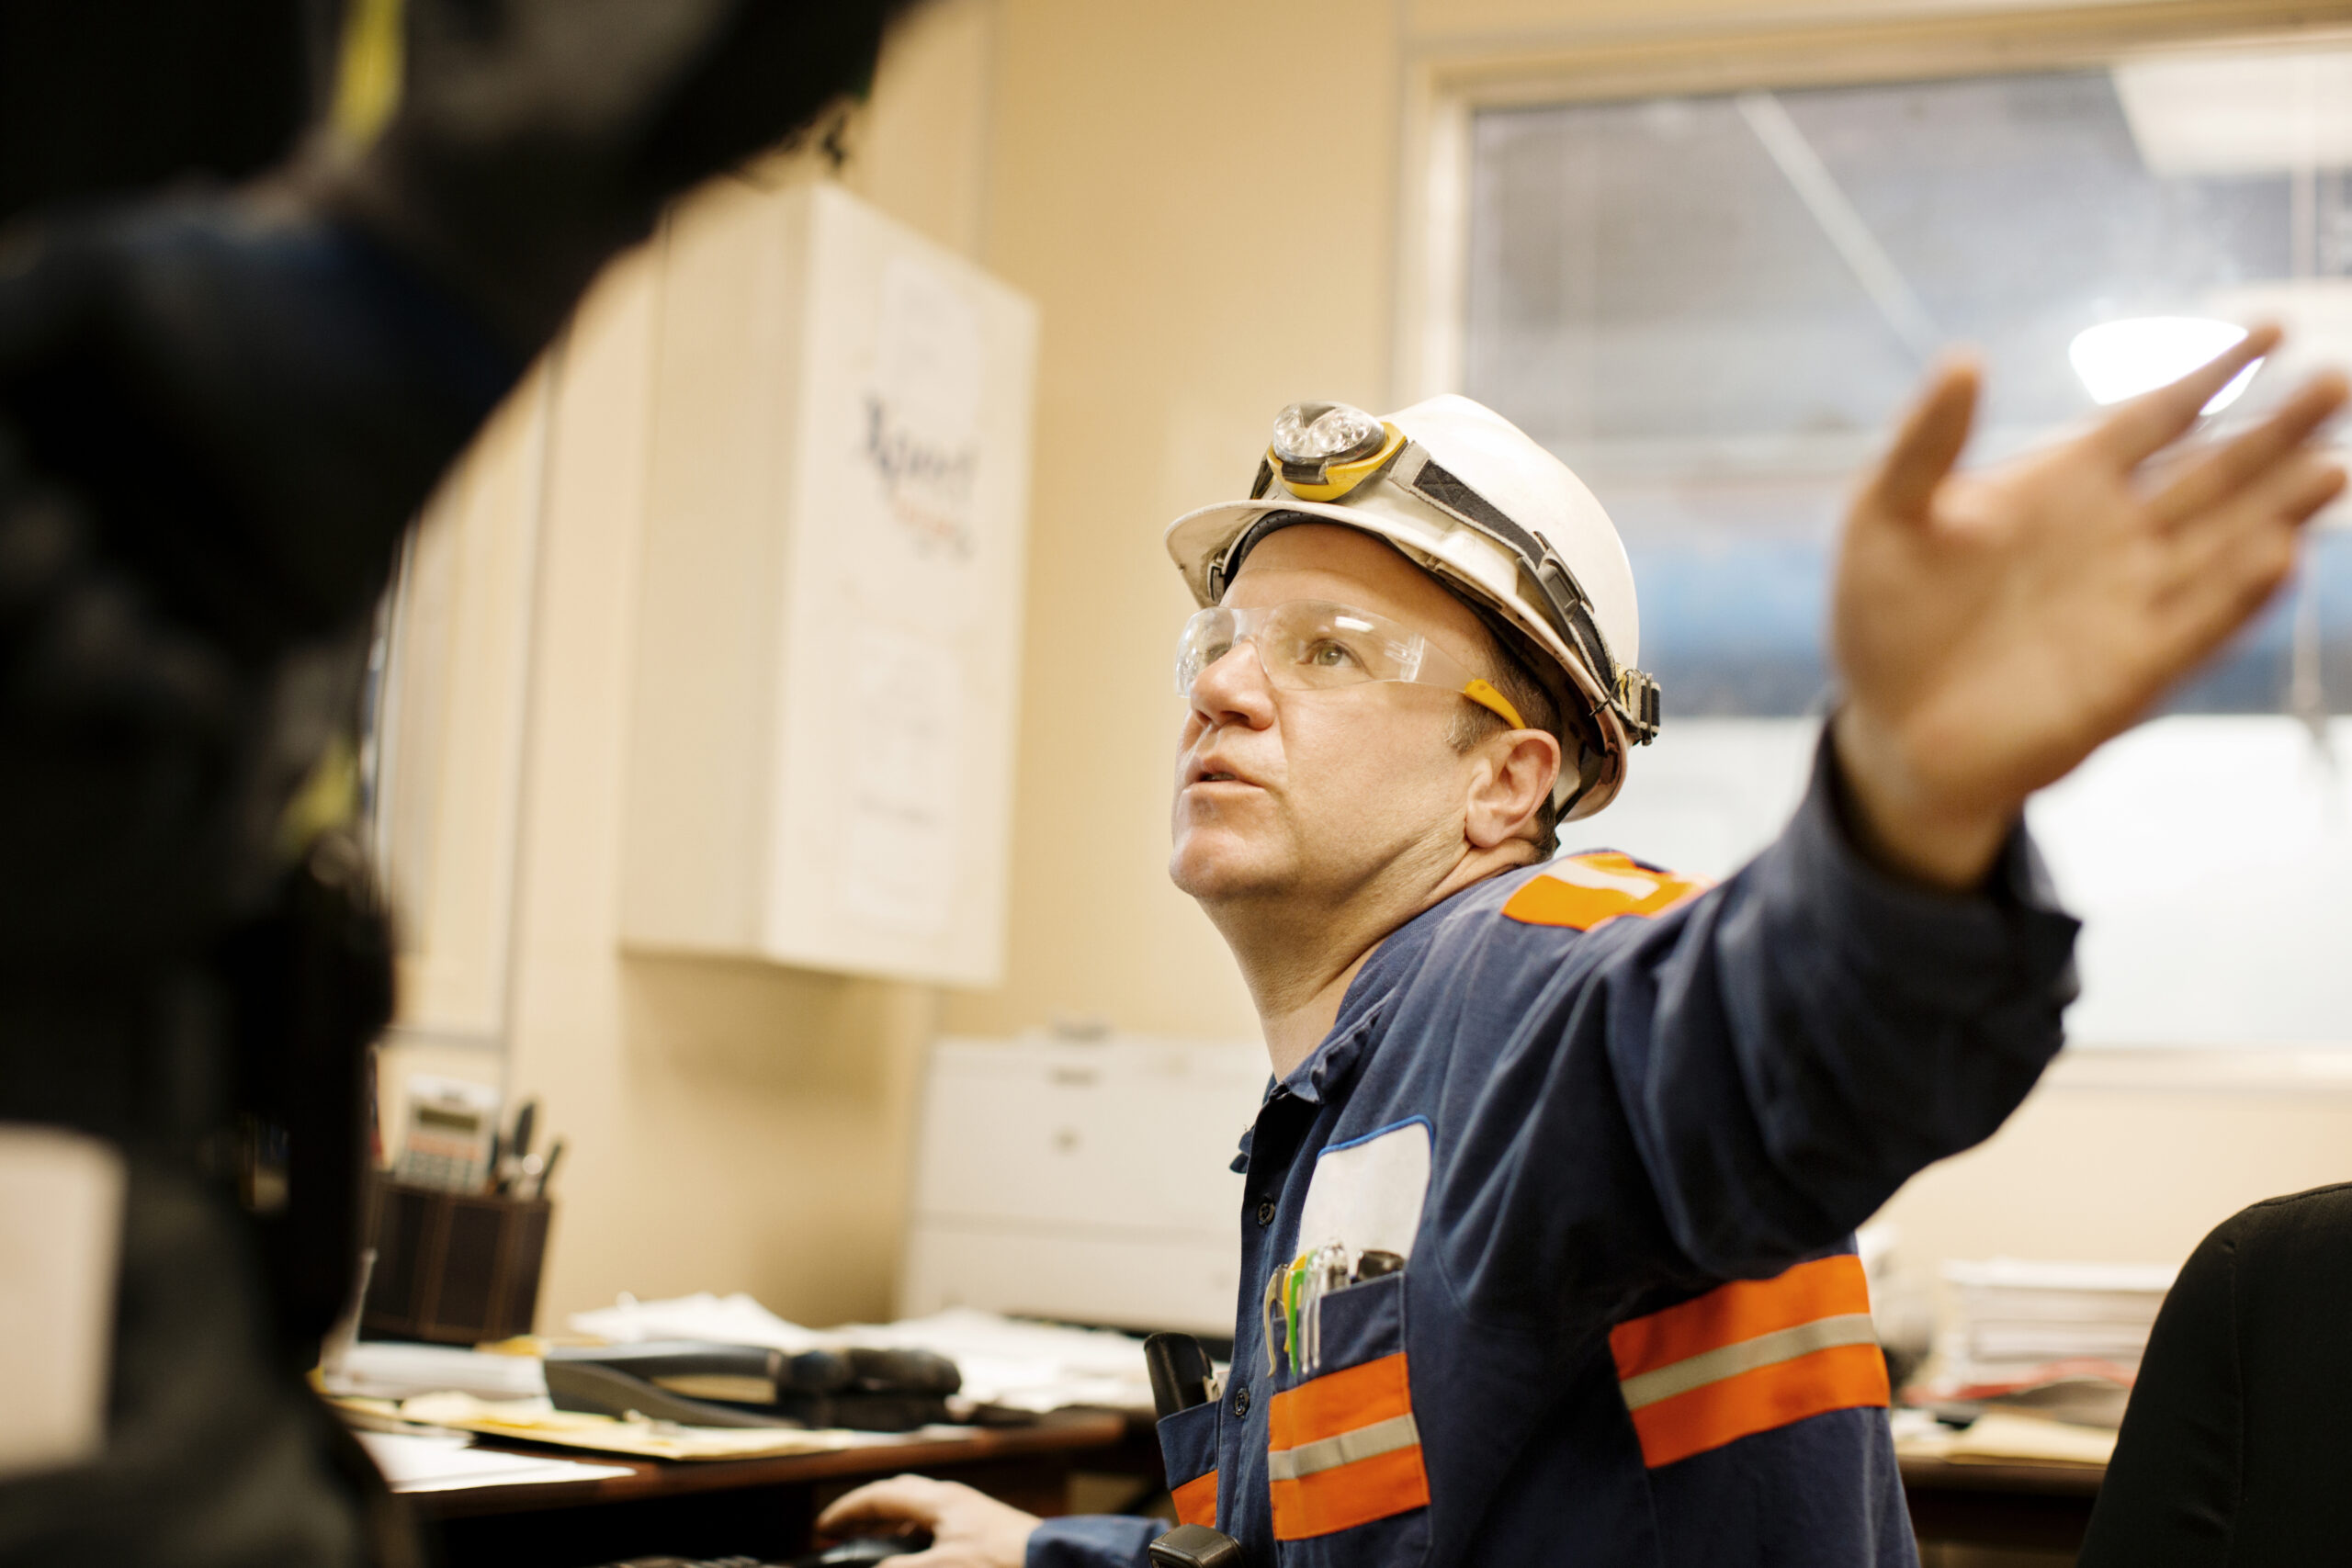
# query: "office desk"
{"points": [[2045, 1506], [760, 1507], [765, 1507]]}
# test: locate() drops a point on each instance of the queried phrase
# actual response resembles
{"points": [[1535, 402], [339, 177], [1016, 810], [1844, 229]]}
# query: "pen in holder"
{"points": [[456, 1268]]}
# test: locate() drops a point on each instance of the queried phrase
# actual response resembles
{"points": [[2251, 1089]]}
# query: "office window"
{"points": [[1712, 307]]}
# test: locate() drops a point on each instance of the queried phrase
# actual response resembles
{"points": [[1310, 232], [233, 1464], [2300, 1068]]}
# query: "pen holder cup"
{"points": [[456, 1267]]}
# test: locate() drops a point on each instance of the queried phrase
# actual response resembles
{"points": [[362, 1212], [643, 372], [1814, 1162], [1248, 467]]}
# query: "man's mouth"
{"points": [[1199, 773]]}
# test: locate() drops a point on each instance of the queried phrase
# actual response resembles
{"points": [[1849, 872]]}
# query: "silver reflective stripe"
{"points": [[1329, 1453], [1764, 1350]]}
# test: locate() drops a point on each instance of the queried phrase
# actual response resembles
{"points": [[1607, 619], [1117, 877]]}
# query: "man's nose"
{"points": [[1233, 688]]}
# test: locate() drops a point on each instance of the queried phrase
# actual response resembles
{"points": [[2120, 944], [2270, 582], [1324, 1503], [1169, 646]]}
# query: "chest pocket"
{"points": [[1343, 1462], [1344, 1458], [1188, 1447]]}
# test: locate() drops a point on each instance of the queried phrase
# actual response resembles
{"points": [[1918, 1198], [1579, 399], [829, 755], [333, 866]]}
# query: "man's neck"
{"points": [[1299, 954]]}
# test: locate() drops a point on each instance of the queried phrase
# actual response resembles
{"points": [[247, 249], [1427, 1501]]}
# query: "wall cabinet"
{"points": [[822, 716]]}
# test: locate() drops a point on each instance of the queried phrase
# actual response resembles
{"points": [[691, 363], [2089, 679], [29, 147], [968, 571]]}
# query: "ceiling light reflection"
{"points": [[2122, 359]]}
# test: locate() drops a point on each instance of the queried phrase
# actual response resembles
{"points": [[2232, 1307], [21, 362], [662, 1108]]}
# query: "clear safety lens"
{"points": [[1313, 433], [1307, 644]]}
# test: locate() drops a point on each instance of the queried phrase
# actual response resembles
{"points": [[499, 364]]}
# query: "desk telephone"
{"points": [[700, 1385]]}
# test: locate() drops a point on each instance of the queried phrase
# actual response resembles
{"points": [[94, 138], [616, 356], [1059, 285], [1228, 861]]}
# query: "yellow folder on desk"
{"points": [[537, 1421]]}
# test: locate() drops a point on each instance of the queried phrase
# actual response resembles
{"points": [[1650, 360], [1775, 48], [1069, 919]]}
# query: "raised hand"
{"points": [[1994, 629]]}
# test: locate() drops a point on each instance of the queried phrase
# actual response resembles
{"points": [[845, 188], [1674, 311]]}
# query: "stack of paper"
{"points": [[390, 1369], [2021, 1325], [452, 1464], [715, 1320], [1020, 1365]]}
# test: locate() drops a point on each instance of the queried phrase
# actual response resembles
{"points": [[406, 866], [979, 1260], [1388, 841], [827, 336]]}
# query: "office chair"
{"points": [[2235, 1447]]}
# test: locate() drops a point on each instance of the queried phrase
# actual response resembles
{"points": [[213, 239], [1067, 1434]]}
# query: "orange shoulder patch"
{"points": [[1584, 891]]}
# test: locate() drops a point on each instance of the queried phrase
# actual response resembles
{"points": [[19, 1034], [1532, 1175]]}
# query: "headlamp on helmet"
{"points": [[1324, 450]]}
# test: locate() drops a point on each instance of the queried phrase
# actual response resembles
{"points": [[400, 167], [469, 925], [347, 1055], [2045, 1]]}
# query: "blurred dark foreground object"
{"points": [[218, 410], [2233, 1446], [104, 99]]}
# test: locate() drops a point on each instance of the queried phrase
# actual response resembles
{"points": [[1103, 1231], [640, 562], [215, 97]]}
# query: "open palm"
{"points": [[1994, 629]]}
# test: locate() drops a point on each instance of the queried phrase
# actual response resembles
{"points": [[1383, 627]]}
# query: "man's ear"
{"points": [[1511, 782]]}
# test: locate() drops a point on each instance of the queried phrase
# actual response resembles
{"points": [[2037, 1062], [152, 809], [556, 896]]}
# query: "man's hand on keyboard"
{"points": [[968, 1529]]}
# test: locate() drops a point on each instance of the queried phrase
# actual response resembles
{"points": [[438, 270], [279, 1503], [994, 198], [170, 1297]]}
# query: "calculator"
{"points": [[450, 1124]]}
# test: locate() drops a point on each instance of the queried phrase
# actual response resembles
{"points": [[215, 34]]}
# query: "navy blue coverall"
{"points": [[1621, 1129]]}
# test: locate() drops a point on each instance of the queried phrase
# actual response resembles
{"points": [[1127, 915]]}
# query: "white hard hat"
{"points": [[1468, 497]]}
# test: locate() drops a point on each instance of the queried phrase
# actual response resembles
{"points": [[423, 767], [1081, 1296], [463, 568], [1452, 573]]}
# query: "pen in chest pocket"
{"points": [[1294, 1295]]}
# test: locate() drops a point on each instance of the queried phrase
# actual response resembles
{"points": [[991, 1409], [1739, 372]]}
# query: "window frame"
{"points": [[1447, 81]]}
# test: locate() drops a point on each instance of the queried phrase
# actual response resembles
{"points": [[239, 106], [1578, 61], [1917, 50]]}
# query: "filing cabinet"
{"points": [[1088, 1181]]}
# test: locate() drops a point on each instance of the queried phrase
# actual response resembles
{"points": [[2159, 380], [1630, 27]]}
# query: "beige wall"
{"points": [[729, 1126], [732, 1126], [726, 1123], [2130, 1161], [1204, 198]]}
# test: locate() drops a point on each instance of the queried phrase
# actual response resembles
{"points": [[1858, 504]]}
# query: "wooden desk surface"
{"points": [[2042, 1506], [1055, 1435], [720, 1507], [1933, 1474]]}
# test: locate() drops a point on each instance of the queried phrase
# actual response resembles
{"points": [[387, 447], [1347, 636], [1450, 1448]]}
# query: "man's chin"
{"points": [[1213, 868]]}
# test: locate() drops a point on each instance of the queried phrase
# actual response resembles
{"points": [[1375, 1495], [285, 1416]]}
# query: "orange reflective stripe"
{"points": [[1196, 1500], [1354, 1492], [1748, 1357], [1845, 1378], [1583, 891], [1340, 1401], [1827, 1287], [1349, 1496]]}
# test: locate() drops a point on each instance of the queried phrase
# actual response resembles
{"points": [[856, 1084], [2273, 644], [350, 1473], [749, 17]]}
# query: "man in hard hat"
{"points": [[1546, 1240]]}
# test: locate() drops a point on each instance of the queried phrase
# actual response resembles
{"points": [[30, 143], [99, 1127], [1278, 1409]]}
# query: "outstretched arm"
{"points": [[1993, 629], [1745, 1078]]}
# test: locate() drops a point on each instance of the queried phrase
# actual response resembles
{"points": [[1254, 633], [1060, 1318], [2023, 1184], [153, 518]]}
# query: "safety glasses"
{"points": [[1308, 645]]}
